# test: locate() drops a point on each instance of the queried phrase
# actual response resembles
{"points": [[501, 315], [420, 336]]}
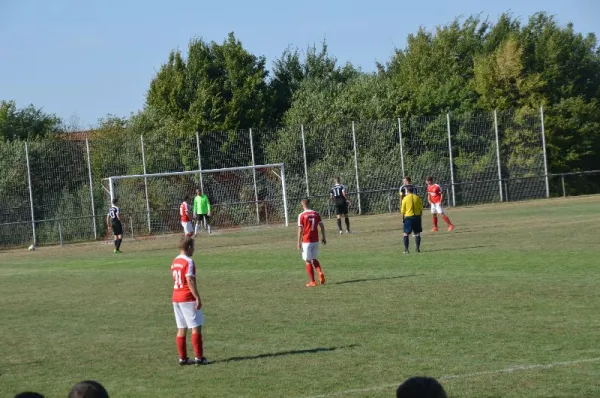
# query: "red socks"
{"points": [[198, 346], [181, 348], [196, 343], [317, 265], [446, 219], [434, 218], [310, 271]]}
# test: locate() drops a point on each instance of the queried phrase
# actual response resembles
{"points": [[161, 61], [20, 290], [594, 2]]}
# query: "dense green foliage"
{"points": [[26, 123], [468, 65]]}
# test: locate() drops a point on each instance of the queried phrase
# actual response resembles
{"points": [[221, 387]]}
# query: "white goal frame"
{"points": [[111, 180]]}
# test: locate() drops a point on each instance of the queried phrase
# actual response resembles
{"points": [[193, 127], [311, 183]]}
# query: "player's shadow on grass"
{"points": [[459, 248], [382, 278], [283, 353]]}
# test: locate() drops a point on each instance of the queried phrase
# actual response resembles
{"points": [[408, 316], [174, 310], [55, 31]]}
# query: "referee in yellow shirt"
{"points": [[412, 210]]}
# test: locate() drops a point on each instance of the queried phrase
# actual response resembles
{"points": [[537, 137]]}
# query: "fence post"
{"points": [[266, 212], [284, 189], [199, 160], [131, 227], [145, 183], [60, 238], [498, 156], [305, 161], [562, 179], [401, 146], [89, 162], [544, 151], [451, 160], [30, 195], [254, 178], [356, 168]]}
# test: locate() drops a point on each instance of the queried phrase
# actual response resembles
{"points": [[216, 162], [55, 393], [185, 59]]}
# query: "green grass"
{"points": [[514, 285]]}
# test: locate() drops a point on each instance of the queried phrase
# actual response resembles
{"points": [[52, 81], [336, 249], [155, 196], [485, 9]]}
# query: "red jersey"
{"points": [[309, 221], [184, 210], [435, 193], [182, 267]]}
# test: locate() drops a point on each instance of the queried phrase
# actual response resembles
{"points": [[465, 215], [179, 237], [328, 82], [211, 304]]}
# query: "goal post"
{"points": [[239, 196]]}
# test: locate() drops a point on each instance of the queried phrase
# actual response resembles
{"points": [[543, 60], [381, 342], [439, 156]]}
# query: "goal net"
{"points": [[239, 196]]}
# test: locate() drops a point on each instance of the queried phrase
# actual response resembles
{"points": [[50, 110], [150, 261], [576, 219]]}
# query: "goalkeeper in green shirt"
{"points": [[201, 211]]}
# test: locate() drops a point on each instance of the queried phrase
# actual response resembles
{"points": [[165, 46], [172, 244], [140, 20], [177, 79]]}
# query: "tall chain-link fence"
{"points": [[54, 190]]}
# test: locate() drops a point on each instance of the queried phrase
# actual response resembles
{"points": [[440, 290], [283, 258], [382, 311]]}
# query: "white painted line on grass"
{"points": [[516, 368]]}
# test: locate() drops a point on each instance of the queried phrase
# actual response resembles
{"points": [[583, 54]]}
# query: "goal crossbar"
{"points": [[145, 176], [192, 172]]}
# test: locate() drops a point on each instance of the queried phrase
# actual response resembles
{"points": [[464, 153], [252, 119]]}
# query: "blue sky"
{"points": [[85, 61]]}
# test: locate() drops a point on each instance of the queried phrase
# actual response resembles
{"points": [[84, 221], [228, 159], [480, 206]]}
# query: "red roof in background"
{"points": [[77, 135]]}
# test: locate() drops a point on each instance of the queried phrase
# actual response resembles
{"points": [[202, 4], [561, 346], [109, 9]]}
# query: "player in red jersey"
{"points": [[186, 219], [187, 304], [308, 241], [435, 196]]}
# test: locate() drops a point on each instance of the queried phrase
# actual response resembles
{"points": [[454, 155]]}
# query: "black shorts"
{"points": [[117, 228], [341, 208], [206, 217], [412, 224]]}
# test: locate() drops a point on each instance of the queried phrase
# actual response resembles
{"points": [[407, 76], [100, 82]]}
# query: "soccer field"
{"points": [[507, 305]]}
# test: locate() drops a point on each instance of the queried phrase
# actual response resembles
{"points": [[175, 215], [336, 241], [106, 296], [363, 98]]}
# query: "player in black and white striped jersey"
{"points": [[406, 182], [340, 199], [113, 221]]}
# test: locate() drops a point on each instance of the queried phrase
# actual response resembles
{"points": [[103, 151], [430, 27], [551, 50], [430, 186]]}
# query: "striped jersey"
{"points": [[404, 189], [337, 193], [113, 213]]}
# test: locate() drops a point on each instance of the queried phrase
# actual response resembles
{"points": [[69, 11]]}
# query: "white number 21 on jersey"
{"points": [[177, 279]]}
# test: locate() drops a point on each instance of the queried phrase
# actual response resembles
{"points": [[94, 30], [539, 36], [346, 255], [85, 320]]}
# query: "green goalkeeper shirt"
{"points": [[201, 204]]}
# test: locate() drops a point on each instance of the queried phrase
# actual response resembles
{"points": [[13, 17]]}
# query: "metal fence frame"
{"points": [[452, 184]]}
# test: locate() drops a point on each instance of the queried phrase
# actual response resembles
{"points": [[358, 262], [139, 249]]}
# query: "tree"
{"points": [[501, 81], [573, 130], [290, 71], [434, 73], [288, 74], [218, 87], [26, 123], [566, 60]]}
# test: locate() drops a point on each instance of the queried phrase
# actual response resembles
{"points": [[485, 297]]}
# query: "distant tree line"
{"points": [[471, 64]]}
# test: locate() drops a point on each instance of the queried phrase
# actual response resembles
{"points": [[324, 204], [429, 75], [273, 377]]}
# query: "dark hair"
{"points": [[187, 197], [88, 389], [410, 189], [115, 201], [306, 202], [421, 387], [186, 243], [408, 179], [29, 394], [429, 178]]}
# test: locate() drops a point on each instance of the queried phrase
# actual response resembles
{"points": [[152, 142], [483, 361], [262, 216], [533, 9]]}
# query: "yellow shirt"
{"points": [[411, 206]]}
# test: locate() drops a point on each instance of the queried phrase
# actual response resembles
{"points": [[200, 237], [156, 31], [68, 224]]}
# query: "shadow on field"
{"points": [[374, 279], [447, 249], [462, 231], [283, 353]]}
